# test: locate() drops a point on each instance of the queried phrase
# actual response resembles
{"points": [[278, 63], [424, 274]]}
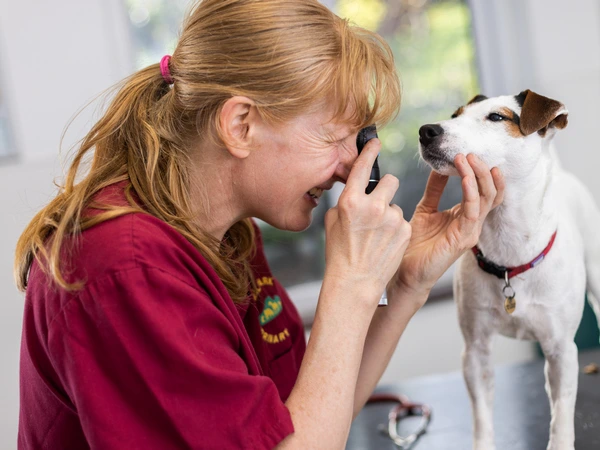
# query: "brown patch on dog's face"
{"points": [[477, 99], [458, 112], [513, 122]]}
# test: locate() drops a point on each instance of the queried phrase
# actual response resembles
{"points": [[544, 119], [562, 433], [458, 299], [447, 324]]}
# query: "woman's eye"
{"points": [[341, 140], [495, 117]]}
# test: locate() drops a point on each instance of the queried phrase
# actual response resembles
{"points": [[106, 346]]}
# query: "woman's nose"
{"points": [[346, 161], [342, 171]]}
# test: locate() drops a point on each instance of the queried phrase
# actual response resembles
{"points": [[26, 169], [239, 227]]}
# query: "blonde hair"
{"points": [[286, 55]]}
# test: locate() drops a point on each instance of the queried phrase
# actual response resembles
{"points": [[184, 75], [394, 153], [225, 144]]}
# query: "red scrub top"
{"points": [[152, 353]]}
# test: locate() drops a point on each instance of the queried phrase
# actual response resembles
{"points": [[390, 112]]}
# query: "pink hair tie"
{"points": [[164, 69]]}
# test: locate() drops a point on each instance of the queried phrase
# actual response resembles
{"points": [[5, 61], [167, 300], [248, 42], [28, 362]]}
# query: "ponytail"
{"points": [[138, 140]]}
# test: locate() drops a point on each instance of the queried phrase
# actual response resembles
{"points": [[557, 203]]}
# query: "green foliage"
{"points": [[434, 53], [364, 13]]}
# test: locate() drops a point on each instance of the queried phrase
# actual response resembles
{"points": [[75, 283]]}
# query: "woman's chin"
{"points": [[299, 224], [299, 221], [294, 218]]}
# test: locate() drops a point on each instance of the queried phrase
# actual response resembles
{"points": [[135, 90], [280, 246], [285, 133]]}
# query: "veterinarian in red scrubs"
{"points": [[152, 319]]}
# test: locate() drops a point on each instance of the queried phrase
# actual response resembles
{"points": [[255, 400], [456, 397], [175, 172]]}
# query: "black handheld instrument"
{"points": [[364, 136]]}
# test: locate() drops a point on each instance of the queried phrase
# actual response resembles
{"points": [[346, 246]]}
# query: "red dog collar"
{"points": [[500, 271]]}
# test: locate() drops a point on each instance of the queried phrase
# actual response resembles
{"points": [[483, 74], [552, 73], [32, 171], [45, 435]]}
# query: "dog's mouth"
{"points": [[436, 158]]}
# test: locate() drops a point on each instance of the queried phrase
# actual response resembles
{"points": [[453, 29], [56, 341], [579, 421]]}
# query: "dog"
{"points": [[538, 252]]}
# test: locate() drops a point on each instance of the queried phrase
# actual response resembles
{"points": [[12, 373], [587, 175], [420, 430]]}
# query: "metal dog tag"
{"points": [[510, 304], [509, 298]]}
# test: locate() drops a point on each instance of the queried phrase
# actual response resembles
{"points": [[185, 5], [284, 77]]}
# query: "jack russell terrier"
{"points": [[537, 254]]}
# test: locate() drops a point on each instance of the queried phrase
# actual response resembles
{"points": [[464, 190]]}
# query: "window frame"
{"points": [[8, 153]]}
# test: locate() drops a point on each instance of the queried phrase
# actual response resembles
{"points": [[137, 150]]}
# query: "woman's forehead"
{"points": [[338, 125]]}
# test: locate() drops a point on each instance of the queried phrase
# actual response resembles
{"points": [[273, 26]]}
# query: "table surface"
{"points": [[521, 410]]}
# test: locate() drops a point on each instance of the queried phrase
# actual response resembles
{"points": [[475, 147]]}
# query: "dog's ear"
{"points": [[540, 113]]}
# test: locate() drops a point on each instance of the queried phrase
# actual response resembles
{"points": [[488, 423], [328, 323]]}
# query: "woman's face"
{"points": [[295, 163]]}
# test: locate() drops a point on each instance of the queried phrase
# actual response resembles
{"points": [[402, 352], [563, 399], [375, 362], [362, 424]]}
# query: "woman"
{"points": [[151, 317]]}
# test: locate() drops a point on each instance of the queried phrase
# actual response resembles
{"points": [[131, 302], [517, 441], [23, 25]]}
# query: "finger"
{"points": [[394, 216], [386, 189], [485, 182], [471, 199], [358, 179], [399, 210], [500, 184], [433, 191]]}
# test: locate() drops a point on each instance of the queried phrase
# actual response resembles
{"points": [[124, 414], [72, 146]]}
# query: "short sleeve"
{"points": [[151, 362]]}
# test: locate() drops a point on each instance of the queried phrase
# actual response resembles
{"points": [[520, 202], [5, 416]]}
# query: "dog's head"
{"points": [[508, 132]]}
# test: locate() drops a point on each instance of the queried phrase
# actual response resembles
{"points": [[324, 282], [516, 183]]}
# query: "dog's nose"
{"points": [[428, 133]]}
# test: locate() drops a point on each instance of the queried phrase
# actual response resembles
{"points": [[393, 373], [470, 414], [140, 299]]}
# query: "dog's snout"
{"points": [[428, 133]]}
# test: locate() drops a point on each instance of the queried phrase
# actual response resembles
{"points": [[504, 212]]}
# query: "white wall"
{"points": [[553, 48], [566, 55], [56, 56], [24, 189]]}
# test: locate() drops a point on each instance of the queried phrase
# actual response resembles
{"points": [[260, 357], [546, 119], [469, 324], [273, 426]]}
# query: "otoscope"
{"points": [[364, 136]]}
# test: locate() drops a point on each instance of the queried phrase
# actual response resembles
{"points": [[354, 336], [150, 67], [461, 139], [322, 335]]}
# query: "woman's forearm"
{"points": [[322, 400], [385, 330]]}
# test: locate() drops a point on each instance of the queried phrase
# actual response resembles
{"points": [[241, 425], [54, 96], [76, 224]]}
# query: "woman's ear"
{"points": [[238, 120]]}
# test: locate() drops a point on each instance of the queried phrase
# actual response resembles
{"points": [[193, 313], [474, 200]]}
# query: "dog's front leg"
{"points": [[478, 372], [561, 371]]}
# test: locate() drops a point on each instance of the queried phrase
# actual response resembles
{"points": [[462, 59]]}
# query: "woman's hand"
{"points": [[440, 237], [365, 235]]}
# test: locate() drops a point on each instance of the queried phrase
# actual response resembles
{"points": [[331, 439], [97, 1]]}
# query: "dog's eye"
{"points": [[495, 117]]}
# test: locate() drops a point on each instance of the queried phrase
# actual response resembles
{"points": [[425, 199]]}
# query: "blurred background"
{"points": [[58, 57]]}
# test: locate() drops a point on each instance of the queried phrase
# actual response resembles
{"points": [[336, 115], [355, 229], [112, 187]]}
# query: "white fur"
{"points": [[540, 197]]}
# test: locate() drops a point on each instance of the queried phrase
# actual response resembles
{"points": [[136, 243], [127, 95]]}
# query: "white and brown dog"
{"points": [[537, 253]]}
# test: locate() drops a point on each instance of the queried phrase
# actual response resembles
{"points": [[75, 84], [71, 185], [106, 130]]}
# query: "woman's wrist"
{"points": [[360, 292], [400, 292]]}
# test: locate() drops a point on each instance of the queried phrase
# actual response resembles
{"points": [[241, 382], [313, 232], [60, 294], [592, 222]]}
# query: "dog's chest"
{"points": [[536, 311], [545, 295], [521, 323]]}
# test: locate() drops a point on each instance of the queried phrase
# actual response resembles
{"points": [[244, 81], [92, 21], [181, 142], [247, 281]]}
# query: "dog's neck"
{"points": [[519, 229]]}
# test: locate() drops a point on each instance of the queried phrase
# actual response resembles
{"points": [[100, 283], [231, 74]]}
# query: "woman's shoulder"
{"points": [[135, 240]]}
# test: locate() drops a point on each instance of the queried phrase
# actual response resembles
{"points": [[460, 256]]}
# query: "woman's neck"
{"points": [[213, 191]]}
